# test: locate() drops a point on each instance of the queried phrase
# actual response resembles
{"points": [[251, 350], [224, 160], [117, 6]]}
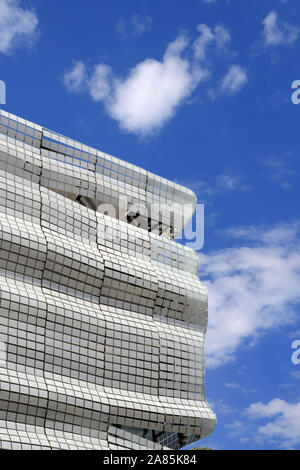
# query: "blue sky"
{"points": [[198, 92]]}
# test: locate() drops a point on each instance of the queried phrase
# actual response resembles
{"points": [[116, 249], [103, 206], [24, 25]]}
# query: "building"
{"points": [[102, 321]]}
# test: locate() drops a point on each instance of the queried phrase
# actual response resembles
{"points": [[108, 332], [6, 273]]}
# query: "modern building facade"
{"points": [[102, 321]]}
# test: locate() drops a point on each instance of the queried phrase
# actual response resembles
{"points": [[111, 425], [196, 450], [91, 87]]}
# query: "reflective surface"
{"points": [[102, 323]]}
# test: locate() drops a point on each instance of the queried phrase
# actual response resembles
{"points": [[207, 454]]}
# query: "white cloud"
{"points": [[201, 43], [221, 407], [202, 188], [149, 96], [276, 32], [140, 24], [251, 288], [222, 37], [240, 388], [16, 25], [285, 425], [219, 36], [280, 170], [75, 79], [100, 82], [220, 184], [153, 90], [234, 80], [137, 26], [227, 181]]}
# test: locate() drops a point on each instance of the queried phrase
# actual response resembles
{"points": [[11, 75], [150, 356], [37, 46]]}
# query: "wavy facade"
{"points": [[102, 322]]}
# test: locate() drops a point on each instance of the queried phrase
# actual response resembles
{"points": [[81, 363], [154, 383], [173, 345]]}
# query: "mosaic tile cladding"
{"points": [[101, 342]]}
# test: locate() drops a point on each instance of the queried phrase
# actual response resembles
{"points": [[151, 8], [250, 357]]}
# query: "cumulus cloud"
{"points": [[16, 25], [253, 287], [285, 425], [277, 32], [151, 93], [149, 96], [234, 80]]}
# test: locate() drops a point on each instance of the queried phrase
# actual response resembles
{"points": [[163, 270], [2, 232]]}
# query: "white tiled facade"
{"points": [[102, 322]]}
